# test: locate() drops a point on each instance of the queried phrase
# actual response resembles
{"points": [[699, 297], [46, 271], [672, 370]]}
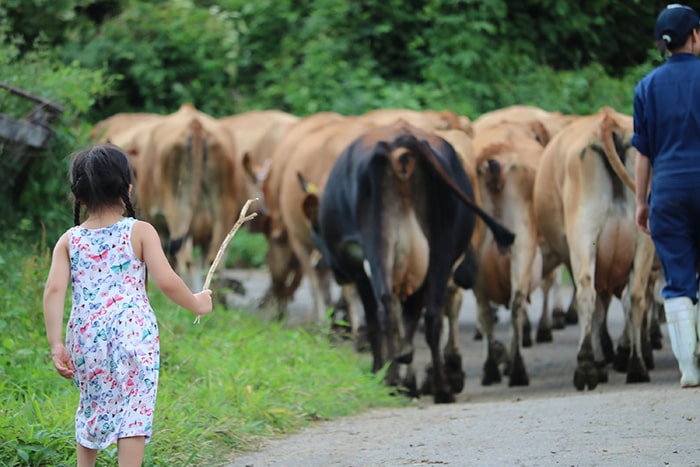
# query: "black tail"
{"points": [[504, 237]]}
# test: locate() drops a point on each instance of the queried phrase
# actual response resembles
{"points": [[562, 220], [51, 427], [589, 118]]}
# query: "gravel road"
{"points": [[548, 423]]}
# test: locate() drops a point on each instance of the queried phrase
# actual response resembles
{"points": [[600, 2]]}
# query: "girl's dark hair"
{"points": [[99, 176]]}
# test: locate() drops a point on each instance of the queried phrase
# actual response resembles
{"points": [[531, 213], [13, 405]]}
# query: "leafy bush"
{"points": [[247, 250], [163, 54]]}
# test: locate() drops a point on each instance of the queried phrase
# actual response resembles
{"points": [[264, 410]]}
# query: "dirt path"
{"points": [[546, 423]]}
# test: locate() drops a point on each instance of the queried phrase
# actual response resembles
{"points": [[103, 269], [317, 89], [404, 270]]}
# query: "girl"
{"points": [[112, 345]]}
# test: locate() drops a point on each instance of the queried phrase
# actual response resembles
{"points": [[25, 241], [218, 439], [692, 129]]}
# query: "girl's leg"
{"points": [[86, 456], [130, 451]]}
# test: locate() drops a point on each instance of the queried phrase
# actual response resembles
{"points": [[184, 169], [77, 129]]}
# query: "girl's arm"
{"points": [[147, 245], [54, 299]]}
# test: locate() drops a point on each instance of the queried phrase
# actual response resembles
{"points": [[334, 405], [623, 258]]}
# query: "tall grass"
{"points": [[224, 383]]}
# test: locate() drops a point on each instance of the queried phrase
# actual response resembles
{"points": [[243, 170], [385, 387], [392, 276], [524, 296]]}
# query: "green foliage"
{"points": [[223, 382], [163, 54], [247, 250]]}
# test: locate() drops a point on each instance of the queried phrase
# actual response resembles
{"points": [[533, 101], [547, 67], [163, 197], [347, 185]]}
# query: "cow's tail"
{"points": [[607, 127], [197, 149], [504, 238]]}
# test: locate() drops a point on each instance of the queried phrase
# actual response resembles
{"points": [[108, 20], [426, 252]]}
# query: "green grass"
{"points": [[247, 250], [224, 383]]}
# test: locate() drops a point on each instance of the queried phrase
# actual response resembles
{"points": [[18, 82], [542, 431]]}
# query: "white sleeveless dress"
{"points": [[112, 336]]}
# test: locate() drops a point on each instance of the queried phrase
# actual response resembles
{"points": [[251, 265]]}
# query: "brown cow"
{"points": [[256, 133], [534, 117], [508, 155], [285, 270], [129, 131], [191, 186], [425, 119], [585, 215]]}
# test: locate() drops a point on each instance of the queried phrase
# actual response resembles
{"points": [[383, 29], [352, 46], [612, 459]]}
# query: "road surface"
{"points": [[546, 423]]}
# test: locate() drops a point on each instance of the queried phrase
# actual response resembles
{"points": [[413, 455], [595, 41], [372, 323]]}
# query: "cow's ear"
{"points": [[310, 206]]}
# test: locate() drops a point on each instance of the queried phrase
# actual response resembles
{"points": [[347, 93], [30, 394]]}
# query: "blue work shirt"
{"points": [[667, 121]]}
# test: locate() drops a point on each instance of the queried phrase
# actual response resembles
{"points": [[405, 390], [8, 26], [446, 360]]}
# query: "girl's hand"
{"points": [[204, 302], [61, 360]]}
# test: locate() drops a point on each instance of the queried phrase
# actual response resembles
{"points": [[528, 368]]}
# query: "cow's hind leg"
{"points": [[638, 285], [544, 327], [442, 392], [602, 343], [518, 373], [374, 334], [452, 356], [495, 351], [586, 373]]}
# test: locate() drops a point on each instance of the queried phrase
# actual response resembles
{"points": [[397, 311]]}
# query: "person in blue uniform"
{"points": [[667, 138]]}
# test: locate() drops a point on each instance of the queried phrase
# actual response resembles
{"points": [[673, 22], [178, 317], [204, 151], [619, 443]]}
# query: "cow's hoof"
{"points": [[362, 340], [498, 352], [543, 336], [491, 374], [454, 372], [558, 319], [477, 335], [409, 386], [637, 372], [586, 374], [648, 356], [444, 397], [621, 358], [427, 386], [657, 339], [527, 334], [518, 373], [391, 377], [571, 316], [234, 285], [602, 372], [608, 347], [405, 355]]}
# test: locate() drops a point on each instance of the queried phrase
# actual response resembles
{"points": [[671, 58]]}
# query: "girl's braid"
{"points": [[76, 212], [129, 207]]}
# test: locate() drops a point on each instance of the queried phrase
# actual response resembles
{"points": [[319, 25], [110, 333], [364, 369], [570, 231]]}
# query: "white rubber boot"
{"points": [[681, 320]]}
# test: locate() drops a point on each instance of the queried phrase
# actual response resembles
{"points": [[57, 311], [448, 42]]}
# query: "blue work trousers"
{"points": [[674, 222]]}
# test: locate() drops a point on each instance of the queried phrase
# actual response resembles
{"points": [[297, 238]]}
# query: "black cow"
{"points": [[395, 216]]}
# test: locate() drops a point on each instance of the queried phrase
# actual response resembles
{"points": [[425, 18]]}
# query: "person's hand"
{"points": [[204, 303], [61, 360], [642, 217]]}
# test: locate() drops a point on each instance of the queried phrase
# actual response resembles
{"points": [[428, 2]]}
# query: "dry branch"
{"points": [[242, 219]]}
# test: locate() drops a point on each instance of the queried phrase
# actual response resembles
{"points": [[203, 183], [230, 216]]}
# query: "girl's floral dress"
{"points": [[112, 337]]}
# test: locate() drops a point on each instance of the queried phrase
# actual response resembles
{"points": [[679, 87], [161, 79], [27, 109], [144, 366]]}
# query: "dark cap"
{"points": [[675, 23]]}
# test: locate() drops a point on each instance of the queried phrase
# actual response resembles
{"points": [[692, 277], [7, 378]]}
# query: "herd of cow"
{"points": [[406, 209]]}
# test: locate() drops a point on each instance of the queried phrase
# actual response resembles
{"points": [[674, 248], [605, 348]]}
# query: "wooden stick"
{"points": [[242, 218]]}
